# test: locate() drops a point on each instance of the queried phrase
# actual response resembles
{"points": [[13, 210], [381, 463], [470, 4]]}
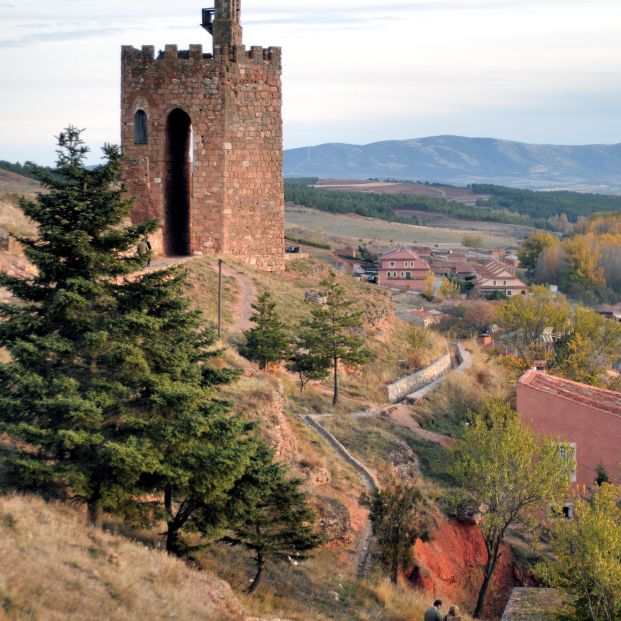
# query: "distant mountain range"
{"points": [[460, 161]]}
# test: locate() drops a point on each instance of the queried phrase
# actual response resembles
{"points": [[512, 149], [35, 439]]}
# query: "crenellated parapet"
{"points": [[202, 139], [238, 54]]}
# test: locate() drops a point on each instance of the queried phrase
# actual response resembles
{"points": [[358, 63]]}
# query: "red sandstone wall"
{"points": [[597, 434], [449, 566], [234, 103]]}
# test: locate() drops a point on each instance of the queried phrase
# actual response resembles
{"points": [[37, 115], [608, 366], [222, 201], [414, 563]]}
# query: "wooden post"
{"points": [[219, 298]]}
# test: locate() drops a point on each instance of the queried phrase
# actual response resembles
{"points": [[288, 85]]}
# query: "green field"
{"points": [[348, 228]]}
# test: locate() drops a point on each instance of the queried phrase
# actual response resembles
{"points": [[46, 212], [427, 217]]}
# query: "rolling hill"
{"points": [[461, 161]]}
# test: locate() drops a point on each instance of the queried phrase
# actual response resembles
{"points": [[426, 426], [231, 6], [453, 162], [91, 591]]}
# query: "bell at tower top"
{"points": [[223, 21]]}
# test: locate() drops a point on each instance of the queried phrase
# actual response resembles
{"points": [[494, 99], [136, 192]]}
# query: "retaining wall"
{"points": [[407, 385]]}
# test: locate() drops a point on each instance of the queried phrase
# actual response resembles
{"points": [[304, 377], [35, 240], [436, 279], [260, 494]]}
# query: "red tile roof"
{"points": [[596, 398]]}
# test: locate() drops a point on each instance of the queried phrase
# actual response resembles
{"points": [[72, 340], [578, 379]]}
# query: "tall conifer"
{"points": [[110, 384], [267, 341]]}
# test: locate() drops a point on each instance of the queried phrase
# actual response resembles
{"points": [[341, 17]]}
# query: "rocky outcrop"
{"points": [[404, 462], [334, 520], [260, 397]]}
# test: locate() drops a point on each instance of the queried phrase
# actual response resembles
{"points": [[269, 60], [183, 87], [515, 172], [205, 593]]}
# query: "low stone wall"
{"points": [[407, 385]]}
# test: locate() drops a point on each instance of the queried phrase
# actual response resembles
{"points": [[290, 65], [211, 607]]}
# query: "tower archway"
{"points": [[178, 183]]}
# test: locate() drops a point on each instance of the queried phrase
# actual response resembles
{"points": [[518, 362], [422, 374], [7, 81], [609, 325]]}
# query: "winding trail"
{"points": [[400, 414], [365, 545], [242, 310]]}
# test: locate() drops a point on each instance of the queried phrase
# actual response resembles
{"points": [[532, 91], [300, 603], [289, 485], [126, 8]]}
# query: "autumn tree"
{"points": [[332, 334], [583, 254], [590, 349], [449, 289], [533, 247], [514, 477], [586, 556], [400, 516], [429, 285], [524, 319], [267, 341], [480, 315]]}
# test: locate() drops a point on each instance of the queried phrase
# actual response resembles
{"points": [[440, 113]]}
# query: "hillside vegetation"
{"points": [[504, 205], [54, 568]]}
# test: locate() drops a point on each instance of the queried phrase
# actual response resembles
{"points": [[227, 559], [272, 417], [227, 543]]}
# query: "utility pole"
{"points": [[219, 298]]}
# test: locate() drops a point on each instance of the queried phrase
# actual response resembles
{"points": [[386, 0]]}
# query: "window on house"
{"points": [[140, 128], [504, 282], [494, 283], [391, 264], [408, 275], [568, 453], [508, 292]]}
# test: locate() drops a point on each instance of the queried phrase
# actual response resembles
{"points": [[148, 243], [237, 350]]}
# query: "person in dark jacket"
{"points": [[433, 613]]}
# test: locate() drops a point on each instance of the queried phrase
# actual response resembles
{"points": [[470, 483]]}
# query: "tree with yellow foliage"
{"points": [[586, 559]]}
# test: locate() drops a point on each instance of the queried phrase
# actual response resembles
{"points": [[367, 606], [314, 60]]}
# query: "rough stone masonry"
{"points": [[202, 137]]}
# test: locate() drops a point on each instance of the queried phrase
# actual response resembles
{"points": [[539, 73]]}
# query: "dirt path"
{"points": [[362, 558], [242, 311], [402, 414]]}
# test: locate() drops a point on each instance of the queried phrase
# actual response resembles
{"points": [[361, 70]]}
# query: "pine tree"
{"points": [[331, 334], [400, 516], [111, 383], [201, 448], [271, 516], [267, 342], [66, 388]]}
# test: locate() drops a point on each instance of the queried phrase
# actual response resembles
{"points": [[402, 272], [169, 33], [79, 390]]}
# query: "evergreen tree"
{"points": [[267, 342], [331, 334], [309, 365], [400, 516], [71, 376], [201, 449], [271, 516], [111, 383]]}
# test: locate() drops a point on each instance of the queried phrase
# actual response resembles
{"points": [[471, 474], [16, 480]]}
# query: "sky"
{"points": [[540, 71]]}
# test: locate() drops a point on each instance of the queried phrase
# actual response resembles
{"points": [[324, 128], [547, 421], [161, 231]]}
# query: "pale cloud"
{"points": [[356, 71]]}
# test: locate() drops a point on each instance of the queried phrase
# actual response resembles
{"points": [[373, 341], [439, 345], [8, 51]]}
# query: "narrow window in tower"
{"points": [[140, 128]]}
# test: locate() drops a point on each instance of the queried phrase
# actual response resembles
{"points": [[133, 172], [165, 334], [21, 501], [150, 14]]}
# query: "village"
{"points": [[217, 403]]}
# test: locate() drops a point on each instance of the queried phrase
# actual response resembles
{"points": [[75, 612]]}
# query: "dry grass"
{"points": [[400, 602], [55, 568], [12, 218], [445, 409], [302, 275], [203, 289], [329, 227]]}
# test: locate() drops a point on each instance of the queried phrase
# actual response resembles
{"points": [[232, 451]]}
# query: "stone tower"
{"points": [[202, 137]]}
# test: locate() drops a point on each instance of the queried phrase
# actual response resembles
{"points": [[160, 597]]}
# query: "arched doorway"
{"points": [[178, 183]]}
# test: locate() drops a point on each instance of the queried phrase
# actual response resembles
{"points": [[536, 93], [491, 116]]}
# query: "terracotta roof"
{"points": [[596, 398], [400, 253]]}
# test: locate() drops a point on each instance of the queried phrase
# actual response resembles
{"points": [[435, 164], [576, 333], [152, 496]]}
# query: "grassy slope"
{"points": [[322, 226], [55, 568]]}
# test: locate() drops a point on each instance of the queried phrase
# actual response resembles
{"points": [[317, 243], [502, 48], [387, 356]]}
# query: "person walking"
{"points": [[433, 613], [144, 250], [453, 614]]}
